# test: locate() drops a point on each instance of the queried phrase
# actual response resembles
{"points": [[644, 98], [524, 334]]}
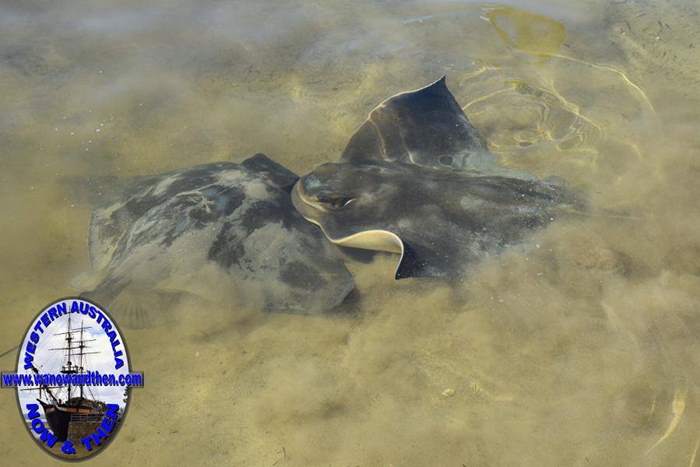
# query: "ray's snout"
{"points": [[321, 191], [304, 202]]}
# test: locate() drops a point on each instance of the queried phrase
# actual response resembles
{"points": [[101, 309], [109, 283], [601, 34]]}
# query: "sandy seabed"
{"points": [[580, 350]]}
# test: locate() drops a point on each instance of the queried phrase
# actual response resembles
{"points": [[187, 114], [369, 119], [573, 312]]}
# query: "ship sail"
{"points": [[77, 415]]}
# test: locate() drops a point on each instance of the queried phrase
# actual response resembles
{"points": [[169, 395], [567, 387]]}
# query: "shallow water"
{"points": [[582, 350]]}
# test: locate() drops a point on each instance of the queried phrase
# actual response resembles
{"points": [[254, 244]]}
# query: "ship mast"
{"points": [[74, 344], [67, 369], [82, 346]]}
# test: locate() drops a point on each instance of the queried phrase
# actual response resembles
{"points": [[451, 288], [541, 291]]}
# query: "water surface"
{"points": [[582, 350]]}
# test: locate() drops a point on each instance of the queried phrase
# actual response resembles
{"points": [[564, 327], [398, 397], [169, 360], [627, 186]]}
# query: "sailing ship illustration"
{"points": [[71, 411]]}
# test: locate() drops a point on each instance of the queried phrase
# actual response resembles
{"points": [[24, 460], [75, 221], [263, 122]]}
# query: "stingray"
{"points": [[417, 180], [425, 127], [222, 231]]}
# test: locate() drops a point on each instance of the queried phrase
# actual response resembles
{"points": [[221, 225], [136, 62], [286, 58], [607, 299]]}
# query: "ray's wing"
{"points": [[132, 198], [425, 127], [491, 214], [280, 175]]}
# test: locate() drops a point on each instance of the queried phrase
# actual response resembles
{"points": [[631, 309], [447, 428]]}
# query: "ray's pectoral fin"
{"points": [[424, 127], [365, 145], [410, 264], [357, 254], [279, 174], [420, 261], [415, 258]]}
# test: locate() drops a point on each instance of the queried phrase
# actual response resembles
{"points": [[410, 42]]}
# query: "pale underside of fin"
{"points": [[373, 240], [378, 240]]}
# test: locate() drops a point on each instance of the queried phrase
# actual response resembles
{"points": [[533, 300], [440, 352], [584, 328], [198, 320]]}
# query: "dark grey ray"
{"points": [[425, 127], [223, 230], [440, 222], [418, 180]]}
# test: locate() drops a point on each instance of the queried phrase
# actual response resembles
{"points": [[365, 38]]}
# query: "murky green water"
{"points": [[581, 352]]}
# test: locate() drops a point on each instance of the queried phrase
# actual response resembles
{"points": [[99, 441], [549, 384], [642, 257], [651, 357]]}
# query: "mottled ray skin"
{"points": [[445, 220], [217, 226], [417, 179]]}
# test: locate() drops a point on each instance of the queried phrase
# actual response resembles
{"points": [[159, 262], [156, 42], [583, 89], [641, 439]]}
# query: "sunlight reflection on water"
{"points": [[581, 352]]}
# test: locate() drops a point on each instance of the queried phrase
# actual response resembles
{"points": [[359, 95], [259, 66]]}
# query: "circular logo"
{"points": [[73, 379]]}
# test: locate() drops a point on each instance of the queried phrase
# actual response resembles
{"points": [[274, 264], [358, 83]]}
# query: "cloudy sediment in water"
{"points": [[581, 350]]}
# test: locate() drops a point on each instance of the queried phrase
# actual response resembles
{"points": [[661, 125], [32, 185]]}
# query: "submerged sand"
{"points": [[582, 350]]}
